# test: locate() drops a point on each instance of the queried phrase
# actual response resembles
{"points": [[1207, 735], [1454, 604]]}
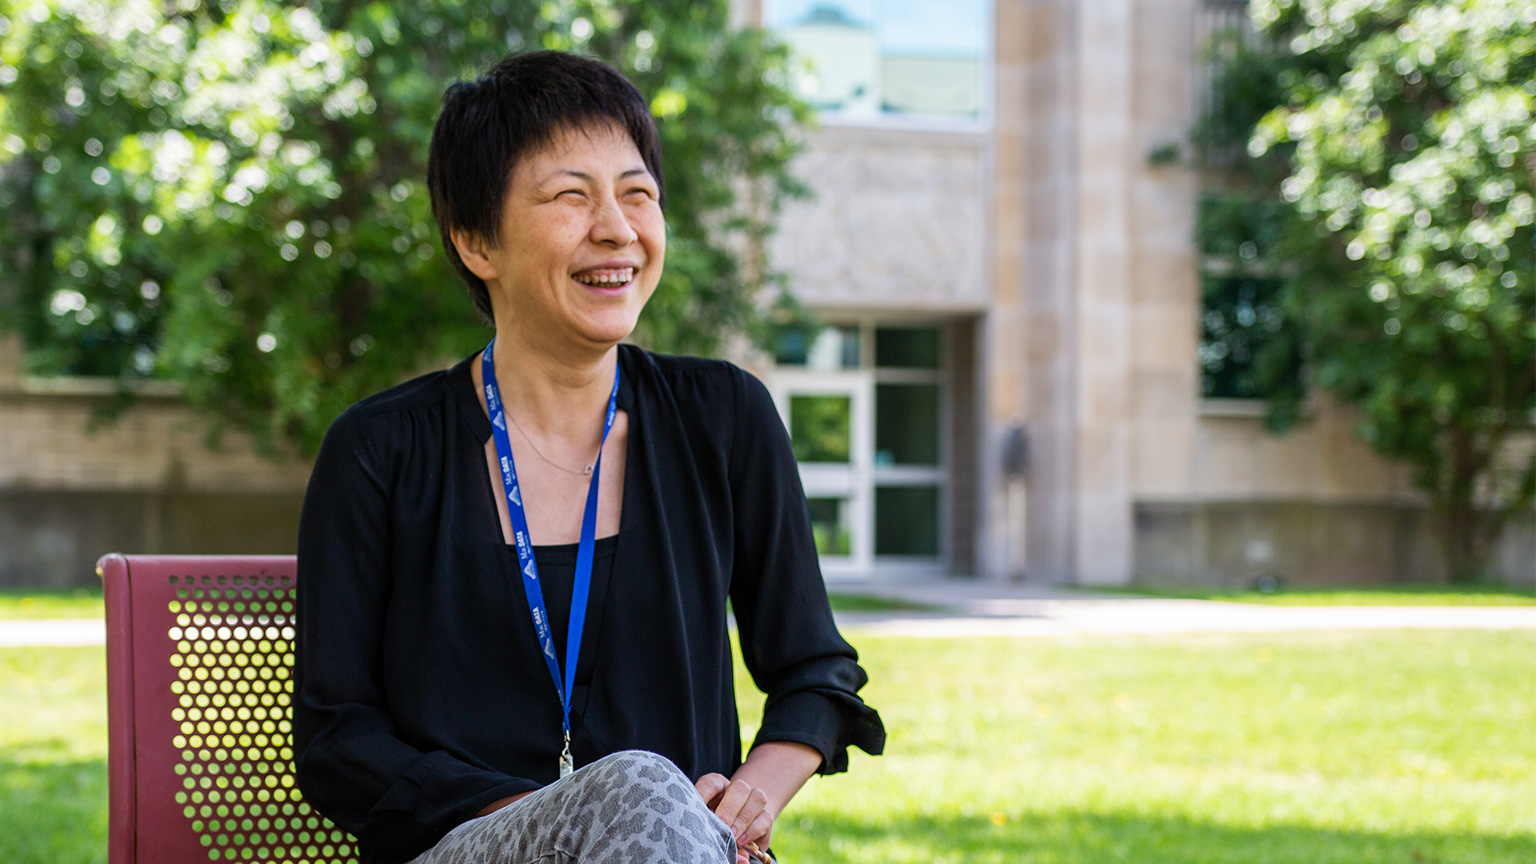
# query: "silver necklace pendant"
{"points": [[591, 466]]}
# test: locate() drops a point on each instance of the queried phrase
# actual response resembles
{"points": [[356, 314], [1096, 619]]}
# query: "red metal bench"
{"points": [[199, 707]]}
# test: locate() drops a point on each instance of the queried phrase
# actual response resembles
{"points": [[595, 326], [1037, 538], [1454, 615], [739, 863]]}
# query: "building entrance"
{"points": [[867, 413]]}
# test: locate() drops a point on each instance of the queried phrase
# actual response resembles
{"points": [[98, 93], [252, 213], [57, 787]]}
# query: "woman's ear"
{"points": [[474, 251]]}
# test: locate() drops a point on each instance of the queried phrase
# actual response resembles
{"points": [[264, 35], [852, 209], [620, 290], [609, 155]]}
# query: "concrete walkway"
{"points": [[53, 631], [973, 608]]}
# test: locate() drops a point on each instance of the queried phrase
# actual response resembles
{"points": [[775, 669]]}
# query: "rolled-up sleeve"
{"points": [[789, 642], [351, 762]]}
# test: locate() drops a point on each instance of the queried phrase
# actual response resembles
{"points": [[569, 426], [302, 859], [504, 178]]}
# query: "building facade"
{"points": [[1024, 234], [1005, 385]]}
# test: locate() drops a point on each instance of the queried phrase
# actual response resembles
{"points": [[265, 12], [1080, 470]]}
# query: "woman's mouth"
{"points": [[616, 277]]}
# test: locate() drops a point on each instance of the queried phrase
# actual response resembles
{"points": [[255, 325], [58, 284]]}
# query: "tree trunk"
{"points": [[1458, 507], [1470, 531]]}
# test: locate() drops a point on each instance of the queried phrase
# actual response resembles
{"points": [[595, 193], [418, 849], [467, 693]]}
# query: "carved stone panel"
{"points": [[896, 221]]}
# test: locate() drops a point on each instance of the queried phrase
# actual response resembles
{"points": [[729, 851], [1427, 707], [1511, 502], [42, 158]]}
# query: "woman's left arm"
{"points": [[761, 788], [789, 641], [779, 769]]}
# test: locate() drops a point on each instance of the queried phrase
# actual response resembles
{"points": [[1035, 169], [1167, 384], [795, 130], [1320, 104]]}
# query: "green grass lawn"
{"points": [[875, 603], [1396, 747], [53, 755], [1410, 747], [32, 603]]}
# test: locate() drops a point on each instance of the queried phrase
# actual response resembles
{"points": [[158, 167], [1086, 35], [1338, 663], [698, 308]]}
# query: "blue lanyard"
{"points": [[530, 568]]}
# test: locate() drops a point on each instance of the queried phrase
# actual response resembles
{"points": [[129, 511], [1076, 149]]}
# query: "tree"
{"points": [[230, 194], [1400, 222]]}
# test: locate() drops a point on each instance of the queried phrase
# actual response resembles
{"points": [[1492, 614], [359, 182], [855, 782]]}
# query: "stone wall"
{"points": [[52, 538], [1320, 459], [966, 441], [76, 484], [1098, 362], [896, 221], [1306, 543], [1313, 506], [1034, 356]]}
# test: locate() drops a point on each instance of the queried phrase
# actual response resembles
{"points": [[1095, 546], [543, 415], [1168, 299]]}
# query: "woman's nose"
{"points": [[611, 226]]}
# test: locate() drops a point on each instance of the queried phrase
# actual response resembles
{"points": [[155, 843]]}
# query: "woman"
{"points": [[514, 573]]}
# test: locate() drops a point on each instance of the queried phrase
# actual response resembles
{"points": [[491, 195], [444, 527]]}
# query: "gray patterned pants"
{"points": [[632, 807]]}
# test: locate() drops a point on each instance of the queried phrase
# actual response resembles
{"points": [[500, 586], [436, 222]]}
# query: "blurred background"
{"points": [[1183, 298], [1167, 293]]}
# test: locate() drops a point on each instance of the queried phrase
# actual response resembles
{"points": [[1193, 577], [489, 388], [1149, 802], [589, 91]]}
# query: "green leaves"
{"points": [[232, 194], [1411, 150]]}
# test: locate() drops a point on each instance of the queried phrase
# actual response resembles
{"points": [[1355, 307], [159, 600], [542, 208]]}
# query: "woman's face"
{"points": [[581, 243]]}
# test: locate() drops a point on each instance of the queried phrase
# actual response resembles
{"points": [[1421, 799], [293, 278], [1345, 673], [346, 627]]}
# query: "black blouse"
{"points": [[557, 577], [421, 695]]}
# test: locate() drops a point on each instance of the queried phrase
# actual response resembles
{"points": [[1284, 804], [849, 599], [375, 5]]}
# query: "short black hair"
{"points": [[520, 105]]}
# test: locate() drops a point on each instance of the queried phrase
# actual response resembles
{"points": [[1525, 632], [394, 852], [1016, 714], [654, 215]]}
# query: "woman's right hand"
{"points": [[741, 806]]}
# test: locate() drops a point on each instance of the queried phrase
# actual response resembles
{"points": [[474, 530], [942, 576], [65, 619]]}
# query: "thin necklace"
{"points": [[536, 449]]}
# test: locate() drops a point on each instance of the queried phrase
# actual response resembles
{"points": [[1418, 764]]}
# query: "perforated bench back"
{"points": [[199, 708]]}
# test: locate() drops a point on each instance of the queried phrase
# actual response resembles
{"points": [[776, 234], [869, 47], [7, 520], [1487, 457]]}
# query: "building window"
{"points": [[866, 407], [907, 348], [1240, 324], [906, 423], [884, 58], [821, 427], [825, 349], [1248, 349]]}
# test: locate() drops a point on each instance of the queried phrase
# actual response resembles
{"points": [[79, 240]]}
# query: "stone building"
{"points": [[1025, 238], [1006, 385]]}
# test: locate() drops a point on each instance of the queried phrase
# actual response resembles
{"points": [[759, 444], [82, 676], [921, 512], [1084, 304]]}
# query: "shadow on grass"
{"points": [[1094, 838], [53, 812], [56, 813]]}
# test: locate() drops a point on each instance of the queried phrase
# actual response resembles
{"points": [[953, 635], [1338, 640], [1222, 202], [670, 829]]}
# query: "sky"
{"points": [[917, 26]]}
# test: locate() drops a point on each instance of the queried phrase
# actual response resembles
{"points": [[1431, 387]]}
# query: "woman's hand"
{"points": [[759, 790], [741, 806]]}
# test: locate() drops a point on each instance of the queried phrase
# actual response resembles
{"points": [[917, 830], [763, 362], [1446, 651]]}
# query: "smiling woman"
{"points": [[580, 245], [444, 715]]}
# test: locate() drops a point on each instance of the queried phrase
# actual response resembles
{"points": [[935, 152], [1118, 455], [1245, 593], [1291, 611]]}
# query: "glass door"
{"points": [[865, 405], [828, 415]]}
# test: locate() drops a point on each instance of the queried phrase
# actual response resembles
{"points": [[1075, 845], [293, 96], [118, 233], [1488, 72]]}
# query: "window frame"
{"points": [[903, 122]]}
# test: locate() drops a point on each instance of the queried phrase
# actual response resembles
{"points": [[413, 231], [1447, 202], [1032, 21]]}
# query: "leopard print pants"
{"points": [[632, 807]]}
